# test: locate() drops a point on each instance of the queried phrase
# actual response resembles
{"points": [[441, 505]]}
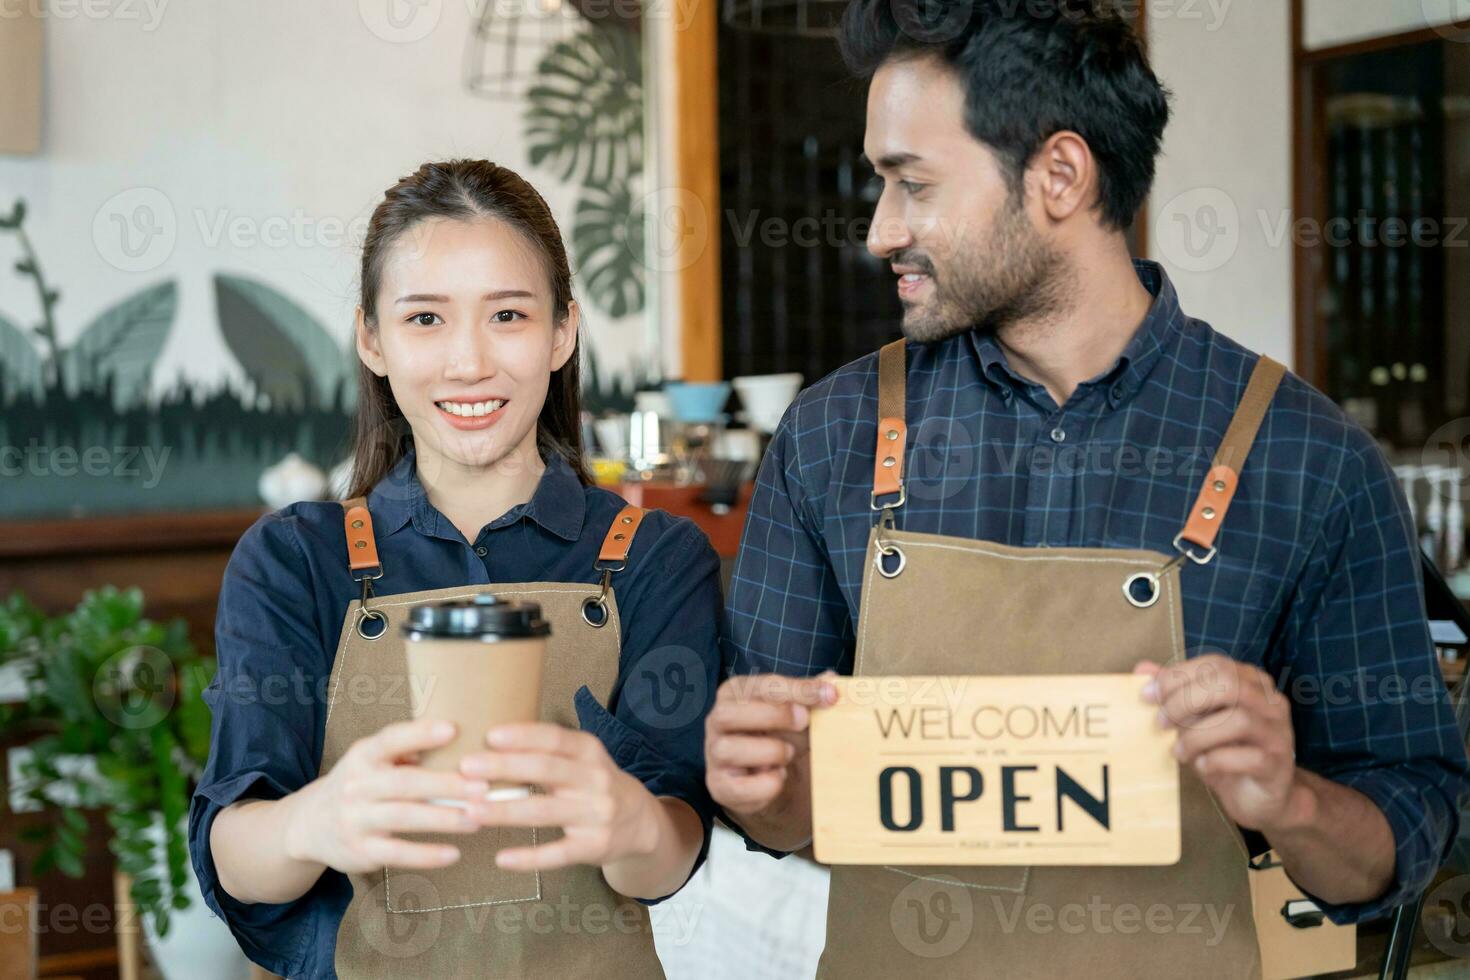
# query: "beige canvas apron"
{"points": [[473, 919], [942, 605]]}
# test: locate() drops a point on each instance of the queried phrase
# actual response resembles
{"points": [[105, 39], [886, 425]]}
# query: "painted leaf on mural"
{"points": [[20, 365], [287, 354], [123, 344], [584, 112], [607, 237]]}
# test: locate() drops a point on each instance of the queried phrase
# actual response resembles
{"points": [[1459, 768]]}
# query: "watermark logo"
{"points": [[136, 230], [933, 917], [401, 21], [1199, 230]]}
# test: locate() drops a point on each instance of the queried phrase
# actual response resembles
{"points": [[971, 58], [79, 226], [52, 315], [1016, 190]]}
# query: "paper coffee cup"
{"points": [[476, 663]]}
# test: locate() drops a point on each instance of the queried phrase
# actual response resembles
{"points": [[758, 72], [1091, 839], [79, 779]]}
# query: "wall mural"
{"points": [[81, 434]]}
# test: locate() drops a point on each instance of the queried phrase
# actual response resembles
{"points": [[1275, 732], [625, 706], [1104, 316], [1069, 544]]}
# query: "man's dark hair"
{"points": [[1031, 69]]}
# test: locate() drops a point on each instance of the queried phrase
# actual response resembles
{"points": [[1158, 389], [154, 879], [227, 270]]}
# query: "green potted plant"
{"points": [[112, 720]]}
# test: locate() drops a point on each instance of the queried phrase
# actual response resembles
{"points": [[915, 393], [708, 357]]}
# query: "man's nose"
{"points": [[889, 231]]}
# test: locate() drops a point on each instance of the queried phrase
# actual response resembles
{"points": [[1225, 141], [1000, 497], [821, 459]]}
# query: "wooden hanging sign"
{"points": [[1044, 770]]}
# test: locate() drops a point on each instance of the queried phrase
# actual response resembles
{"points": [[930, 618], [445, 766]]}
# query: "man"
{"points": [[1054, 405]]}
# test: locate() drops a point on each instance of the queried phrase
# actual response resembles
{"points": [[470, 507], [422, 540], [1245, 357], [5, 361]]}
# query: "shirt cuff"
{"points": [[751, 844], [1423, 825], [270, 935], [634, 755]]}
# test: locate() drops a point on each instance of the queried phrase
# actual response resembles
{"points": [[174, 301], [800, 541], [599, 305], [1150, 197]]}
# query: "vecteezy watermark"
{"points": [[1447, 916], [1102, 917], [675, 232], [148, 12], [418, 917], [400, 21], [136, 230], [1447, 451], [1198, 230], [122, 462], [934, 21], [670, 688], [134, 688], [933, 916]]}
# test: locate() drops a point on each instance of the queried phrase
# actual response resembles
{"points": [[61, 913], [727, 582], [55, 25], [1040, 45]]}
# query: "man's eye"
{"points": [[418, 318], [507, 316], [910, 187]]}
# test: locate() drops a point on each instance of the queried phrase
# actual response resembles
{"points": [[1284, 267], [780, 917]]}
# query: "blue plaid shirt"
{"points": [[1317, 578]]}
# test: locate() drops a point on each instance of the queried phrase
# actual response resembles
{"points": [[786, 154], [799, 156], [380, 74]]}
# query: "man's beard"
{"points": [[1016, 275]]}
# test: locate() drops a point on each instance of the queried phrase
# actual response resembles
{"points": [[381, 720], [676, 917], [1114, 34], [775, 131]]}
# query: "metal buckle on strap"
{"points": [[886, 550], [1188, 552], [902, 496], [599, 601], [364, 612]]}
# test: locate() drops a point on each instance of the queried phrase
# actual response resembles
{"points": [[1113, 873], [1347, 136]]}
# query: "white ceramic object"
{"points": [[766, 397], [612, 436], [198, 944], [656, 402], [290, 480]]}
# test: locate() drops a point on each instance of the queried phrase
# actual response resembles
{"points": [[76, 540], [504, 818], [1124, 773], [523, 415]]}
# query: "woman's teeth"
{"points": [[470, 409]]}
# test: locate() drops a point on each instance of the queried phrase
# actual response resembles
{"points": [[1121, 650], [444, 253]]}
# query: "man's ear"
{"points": [[367, 346], [564, 337], [1064, 175]]}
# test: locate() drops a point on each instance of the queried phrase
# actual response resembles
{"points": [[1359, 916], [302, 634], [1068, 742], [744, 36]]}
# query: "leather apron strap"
{"points": [[1205, 517], [1214, 498], [892, 430]]}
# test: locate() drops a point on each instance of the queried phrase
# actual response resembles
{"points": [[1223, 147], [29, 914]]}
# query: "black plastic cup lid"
{"points": [[484, 617]]}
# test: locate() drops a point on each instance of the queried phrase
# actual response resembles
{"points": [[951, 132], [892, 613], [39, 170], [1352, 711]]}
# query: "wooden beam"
{"points": [[696, 177]]}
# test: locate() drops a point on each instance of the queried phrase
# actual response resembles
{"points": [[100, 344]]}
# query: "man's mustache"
{"points": [[916, 260]]}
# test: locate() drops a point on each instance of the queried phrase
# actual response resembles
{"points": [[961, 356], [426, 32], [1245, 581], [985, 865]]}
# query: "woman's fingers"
{"points": [[390, 852], [401, 817], [403, 738], [416, 783], [559, 853], [540, 811], [527, 767]]}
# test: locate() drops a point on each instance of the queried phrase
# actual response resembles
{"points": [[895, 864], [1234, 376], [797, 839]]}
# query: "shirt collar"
{"points": [[1153, 336], [559, 504]]}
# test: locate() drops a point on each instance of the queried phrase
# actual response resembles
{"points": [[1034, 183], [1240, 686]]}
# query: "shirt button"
{"points": [[1057, 435], [1117, 393], [480, 551]]}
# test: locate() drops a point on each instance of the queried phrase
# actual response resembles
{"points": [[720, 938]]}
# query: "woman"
{"points": [[312, 832]]}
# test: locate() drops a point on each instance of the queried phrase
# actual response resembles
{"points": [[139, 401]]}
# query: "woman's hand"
{"points": [[606, 814], [346, 819]]}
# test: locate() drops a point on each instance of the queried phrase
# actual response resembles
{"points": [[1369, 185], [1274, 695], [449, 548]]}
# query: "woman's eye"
{"points": [[508, 316], [419, 318]]}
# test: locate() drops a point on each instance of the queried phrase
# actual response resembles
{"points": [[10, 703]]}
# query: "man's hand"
{"points": [[755, 749], [1235, 730]]}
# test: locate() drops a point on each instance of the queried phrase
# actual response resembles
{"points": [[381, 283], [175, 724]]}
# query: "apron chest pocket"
{"points": [[472, 880]]}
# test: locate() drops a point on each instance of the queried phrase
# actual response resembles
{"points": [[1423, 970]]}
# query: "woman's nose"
{"points": [[470, 357]]}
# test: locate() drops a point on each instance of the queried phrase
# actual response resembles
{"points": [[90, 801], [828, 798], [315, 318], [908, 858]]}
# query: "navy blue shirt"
{"points": [[1317, 579], [281, 608]]}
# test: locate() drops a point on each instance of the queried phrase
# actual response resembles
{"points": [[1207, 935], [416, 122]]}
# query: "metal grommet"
{"points": [[594, 602], [1153, 589], [883, 553], [371, 614]]}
